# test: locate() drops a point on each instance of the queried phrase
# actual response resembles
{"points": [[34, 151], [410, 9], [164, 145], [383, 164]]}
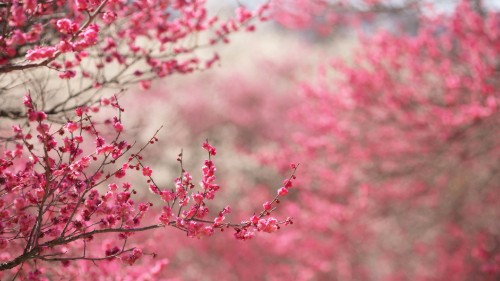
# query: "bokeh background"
{"points": [[387, 188]]}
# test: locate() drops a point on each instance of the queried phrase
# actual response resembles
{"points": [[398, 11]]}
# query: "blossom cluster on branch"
{"points": [[109, 43], [67, 170], [64, 186]]}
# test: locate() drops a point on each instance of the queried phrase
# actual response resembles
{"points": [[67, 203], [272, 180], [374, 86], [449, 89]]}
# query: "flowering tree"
{"points": [[65, 169], [405, 145], [404, 153], [106, 44], [399, 147]]}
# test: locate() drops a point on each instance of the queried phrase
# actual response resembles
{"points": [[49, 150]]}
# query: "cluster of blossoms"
{"points": [[193, 219], [65, 188], [109, 44], [118, 30], [52, 198]]}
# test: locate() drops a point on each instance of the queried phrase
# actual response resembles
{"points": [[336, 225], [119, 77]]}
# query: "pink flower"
{"points": [[254, 219], [105, 149], [226, 210], [137, 253], [244, 234], [71, 127], [90, 34], [282, 191], [66, 26], [267, 206], [154, 189], [287, 183], [64, 46], [81, 4], [198, 198], [68, 74], [166, 214], [126, 186], [27, 101], [105, 101], [242, 14], [167, 195], [99, 141], [118, 126], [267, 225], [39, 53], [218, 220], [211, 150], [36, 116], [146, 171], [143, 207], [120, 173], [109, 17], [145, 84], [207, 231], [113, 186], [79, 111]]}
